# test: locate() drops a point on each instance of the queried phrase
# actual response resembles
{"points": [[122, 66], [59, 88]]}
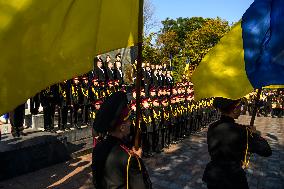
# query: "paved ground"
{"points": [[179, 167]]}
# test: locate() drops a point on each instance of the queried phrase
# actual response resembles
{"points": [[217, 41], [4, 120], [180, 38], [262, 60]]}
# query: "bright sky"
{"points": [[230, 10]]}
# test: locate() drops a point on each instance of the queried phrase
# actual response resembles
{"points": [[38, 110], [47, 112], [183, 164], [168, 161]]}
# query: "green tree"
{"points": [[201, 40], [189, 37]]}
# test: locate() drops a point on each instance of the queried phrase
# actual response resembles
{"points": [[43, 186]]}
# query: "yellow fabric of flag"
{"points": [[43, 42], [274, 87], [222, 73]]}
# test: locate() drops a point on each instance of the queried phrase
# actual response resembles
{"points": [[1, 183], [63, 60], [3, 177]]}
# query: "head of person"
{"points": [[145, 103], [168, 91], [156, 102], [133, 105], [155, 71], [110, 65], [108, 58], [85, 79], [99, 63], [118, 57], [98, 104], [157, 66], [113, 116], [152, 92], [148, 67], [142, 93], [95, 81], [134, 93], [169, 74], [118, 65], [76, 80], [165, 102], [228, 107]]}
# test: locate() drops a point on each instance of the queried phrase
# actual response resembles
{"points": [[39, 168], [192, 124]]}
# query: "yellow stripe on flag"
{"points": [[274, 87], [45, 42], [222, 71]]}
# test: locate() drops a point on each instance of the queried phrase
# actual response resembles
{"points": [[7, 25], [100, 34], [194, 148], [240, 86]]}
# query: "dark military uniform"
{"points": [[85, 88], [64, 103], [156, 117], [229, 144], [146, 131], [48, 99], [76, 102], [114, 165]]}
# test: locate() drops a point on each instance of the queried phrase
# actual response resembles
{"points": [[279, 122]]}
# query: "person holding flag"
{"points": [[229, 146], [114, 164]]}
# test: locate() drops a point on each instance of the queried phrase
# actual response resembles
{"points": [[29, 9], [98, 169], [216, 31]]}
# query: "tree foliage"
{"points": [[181, 40], [189, 38]]}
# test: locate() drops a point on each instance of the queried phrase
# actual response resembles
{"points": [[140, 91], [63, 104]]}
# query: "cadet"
{"points": [[146, 127], [156, 117], [229, 145], [76, 101], [85, 88], [165, 122], [114, 165], [48, 99], [64, 103]]}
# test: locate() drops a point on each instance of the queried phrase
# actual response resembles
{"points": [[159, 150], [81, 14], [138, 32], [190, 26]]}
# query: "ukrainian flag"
{"points": [[250, 56], [44, 42]]}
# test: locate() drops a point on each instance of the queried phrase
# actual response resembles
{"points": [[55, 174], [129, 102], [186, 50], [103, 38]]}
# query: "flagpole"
{"points": [[139, 77], [256, 103]]}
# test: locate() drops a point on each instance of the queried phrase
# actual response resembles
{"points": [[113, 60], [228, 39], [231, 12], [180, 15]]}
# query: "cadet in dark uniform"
{"points": [[146, 128], [114, 165], [99, 72], [64, 103], [229, 144], [76, 102], [48, 99], [85, 88]]}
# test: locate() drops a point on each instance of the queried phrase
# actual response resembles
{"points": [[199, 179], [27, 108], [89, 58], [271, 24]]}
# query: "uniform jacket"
{"points": [[114, 166], [227, 146]]}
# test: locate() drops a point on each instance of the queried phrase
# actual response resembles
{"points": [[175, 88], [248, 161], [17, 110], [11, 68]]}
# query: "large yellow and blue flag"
{"points": [[250, 56], [45, 42]]}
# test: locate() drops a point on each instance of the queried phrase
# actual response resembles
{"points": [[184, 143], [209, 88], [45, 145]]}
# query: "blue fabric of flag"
{"points": [[263, 41]]}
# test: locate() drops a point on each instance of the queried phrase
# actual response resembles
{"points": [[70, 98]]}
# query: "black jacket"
{"points": [[110, 74], [100, 74], [118, 75], [227, 145], [114, 166]]}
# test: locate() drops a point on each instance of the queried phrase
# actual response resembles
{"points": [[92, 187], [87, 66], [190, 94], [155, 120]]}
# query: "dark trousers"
{"points": [[63, 114], [162, 138], [76, 115], [86, 111], [48, 115], [34, 104], [17, 118]]}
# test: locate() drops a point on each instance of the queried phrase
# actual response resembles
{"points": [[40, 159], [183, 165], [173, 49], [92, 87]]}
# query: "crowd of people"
{"points": [[75, 102], [271, 103]]}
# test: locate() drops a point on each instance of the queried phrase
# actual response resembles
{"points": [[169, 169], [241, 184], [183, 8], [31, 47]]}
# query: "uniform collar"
{"points": [[227, 119]]}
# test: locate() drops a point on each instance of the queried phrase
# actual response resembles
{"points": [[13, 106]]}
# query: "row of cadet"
{"points": [[169, 119], [271, 103], [75, 103], [152, 75]]}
